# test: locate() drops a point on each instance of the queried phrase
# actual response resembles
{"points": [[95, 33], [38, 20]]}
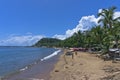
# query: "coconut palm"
{"points": [[110, 23], [107, 17], [116, 33]]}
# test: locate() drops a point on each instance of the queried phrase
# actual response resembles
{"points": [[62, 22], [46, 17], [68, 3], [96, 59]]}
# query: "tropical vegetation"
{"points": [[47, 42], [103, 36]]}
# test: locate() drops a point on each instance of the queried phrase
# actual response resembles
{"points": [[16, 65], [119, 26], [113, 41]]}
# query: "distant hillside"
{"points": [[47, 42]]}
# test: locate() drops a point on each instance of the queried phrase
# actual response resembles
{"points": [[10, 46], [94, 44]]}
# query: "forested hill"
{"points": [[47, 42]]}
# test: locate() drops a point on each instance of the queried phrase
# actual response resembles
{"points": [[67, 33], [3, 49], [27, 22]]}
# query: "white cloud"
{"points": [[85, 23], [26, 40], [116, 14], [100, 10], [62, 37]]}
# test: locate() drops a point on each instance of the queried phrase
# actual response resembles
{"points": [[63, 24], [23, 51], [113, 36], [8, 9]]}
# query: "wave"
{"points": [[24, 68], [51, 55], [34, 79], [45, 58], [29, 66], [36, 62]]}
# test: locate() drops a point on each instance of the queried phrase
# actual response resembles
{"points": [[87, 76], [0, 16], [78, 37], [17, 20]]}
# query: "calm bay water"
{"points": [[17, 58]]}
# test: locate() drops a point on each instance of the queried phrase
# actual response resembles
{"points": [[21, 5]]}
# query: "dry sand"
{"points": [[85, 66]]}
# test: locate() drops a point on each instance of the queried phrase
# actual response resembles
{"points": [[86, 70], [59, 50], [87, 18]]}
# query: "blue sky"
{"points": [[44, 18]]}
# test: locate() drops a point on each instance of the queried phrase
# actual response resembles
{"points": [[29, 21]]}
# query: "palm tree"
{"points": [[116, 34], [109, 23], [107, 17]]}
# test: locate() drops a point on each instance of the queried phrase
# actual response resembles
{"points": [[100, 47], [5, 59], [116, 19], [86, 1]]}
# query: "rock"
{"points": [[56, 70]]}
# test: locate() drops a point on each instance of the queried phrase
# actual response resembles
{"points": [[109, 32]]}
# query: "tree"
{"points": [[107, 17], [97, 35], [116, 34], [109, 24]]}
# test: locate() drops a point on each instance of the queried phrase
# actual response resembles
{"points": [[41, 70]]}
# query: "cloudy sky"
{"points": [[24, 22]]}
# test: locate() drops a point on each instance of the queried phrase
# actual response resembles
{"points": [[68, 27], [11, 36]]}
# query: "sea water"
{"points": [[13, 59]]}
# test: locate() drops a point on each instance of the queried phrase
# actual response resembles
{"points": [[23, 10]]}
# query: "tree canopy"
{"points": [[104, 36], [47, 42]]}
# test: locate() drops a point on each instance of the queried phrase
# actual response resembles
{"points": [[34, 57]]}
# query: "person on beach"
{"points": [[75, 52]]}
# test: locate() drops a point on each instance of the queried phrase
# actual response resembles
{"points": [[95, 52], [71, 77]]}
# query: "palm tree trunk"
{"points": [[116, 42]]}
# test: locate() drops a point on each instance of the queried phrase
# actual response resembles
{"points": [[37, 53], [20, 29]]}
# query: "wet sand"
{"points": [[85, 66]]}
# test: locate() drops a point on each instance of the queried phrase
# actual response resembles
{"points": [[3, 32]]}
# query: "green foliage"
{"points": [[48, 42], [103, 37], [73, 41]]}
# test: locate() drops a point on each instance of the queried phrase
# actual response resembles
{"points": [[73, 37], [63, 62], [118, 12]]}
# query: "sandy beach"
{"points": [[85, 66]]}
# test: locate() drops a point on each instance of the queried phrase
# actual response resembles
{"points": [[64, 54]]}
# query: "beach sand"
{"points": [[85, 66]]}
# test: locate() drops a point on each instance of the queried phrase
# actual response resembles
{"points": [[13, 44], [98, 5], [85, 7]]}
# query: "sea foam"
{"points": [[24, 68], [51, 55]]}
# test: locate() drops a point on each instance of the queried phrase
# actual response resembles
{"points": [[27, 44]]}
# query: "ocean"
{"points": [[17, 59]]}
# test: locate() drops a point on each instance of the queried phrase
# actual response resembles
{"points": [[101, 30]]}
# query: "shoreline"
{"points": [[84, 66], [36, 71]]}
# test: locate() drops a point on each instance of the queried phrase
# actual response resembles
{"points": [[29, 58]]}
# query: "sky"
{"points": [[24, 22]]}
